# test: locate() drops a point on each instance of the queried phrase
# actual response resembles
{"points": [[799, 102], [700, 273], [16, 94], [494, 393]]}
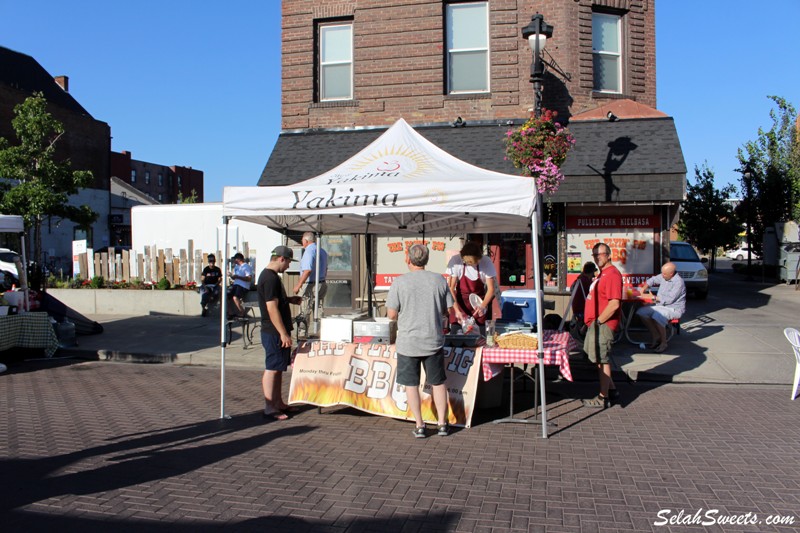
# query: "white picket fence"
{"points": [[152, 264]]}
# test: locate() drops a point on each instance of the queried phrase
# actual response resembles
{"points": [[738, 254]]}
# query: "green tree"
{"points": [[707, 216], [772, 192], [32, 182], [191, 199]]}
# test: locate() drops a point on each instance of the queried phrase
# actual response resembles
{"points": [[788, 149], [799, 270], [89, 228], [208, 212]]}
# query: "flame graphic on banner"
{"points": [[323, 393]]}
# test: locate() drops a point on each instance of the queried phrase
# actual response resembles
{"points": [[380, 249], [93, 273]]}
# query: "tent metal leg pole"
{"points": [[222, 319], [537, 277]]}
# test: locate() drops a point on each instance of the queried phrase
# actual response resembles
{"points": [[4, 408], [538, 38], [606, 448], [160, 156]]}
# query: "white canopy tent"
{"points": [[15, 224], [399, 185]]}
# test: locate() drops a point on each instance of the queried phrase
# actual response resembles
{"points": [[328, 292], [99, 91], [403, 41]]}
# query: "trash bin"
{"points": [[788, 261]]}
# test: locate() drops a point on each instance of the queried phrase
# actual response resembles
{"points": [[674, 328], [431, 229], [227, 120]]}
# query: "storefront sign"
{"points": [[630, 238], [363, 376]]}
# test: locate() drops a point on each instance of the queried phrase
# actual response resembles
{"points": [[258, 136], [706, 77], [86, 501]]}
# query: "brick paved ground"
{"points": [[96, 446]]}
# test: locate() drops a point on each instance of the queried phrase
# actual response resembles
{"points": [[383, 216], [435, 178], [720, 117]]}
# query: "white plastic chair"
{"points": [[794, 339]]}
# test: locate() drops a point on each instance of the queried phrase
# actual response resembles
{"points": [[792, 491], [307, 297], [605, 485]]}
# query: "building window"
{"points": [[169, 178], [79, 234], [133, 175], [160, 179], [160, 197], [147, 177], [180, 185], [335, 61], [467, 47], [607, 52]]}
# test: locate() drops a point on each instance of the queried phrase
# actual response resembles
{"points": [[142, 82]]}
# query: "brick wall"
{"points": [[399, 61]]}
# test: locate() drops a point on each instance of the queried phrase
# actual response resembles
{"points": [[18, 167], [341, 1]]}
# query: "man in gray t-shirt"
{"points": [[419, 301], [669, 304]]}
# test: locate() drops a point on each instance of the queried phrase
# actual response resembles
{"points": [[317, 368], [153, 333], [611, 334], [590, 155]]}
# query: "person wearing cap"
{"points": [[210, 280], [308, 274], [276, 328], [242, 277]]}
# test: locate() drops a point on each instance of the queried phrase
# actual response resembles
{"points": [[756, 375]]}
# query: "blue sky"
{"points": [[197, 83]]}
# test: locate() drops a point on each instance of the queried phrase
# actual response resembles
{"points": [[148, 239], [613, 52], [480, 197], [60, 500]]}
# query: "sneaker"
{"points": [[443, 431], [419, 433]]}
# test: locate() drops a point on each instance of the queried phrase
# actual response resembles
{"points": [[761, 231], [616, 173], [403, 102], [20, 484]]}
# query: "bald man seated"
{"points": [[670, 303]]}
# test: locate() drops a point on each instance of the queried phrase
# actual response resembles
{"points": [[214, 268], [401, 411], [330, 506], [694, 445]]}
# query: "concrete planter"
{"points": [[129, 302]]}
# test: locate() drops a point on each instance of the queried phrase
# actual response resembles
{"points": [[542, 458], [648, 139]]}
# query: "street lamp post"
{"points": [[537, 32], [747, 174]]}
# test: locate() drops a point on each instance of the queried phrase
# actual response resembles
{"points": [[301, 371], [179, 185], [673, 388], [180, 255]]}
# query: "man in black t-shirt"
{"points": [[210, 280], [276, 327]]}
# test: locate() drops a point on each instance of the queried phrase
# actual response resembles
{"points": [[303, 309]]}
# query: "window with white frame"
{"points": [[336, 61], [467, 27], [607, 52]]}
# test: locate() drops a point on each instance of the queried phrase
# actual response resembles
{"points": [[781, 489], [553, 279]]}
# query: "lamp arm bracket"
{"points": [[551, 62]]}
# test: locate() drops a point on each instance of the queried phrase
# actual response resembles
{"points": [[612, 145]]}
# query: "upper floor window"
{"points": [[607, 52], [336, 61], [160, 179], [468, 47], [180, 186], [147, 177], [160, 197], [133, 175]]}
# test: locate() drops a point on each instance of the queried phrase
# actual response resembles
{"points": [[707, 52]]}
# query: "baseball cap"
{"points": [[283, 251]]}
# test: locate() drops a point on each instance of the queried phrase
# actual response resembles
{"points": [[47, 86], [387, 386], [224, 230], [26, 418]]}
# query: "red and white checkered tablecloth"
{"points": [[556, 347]]}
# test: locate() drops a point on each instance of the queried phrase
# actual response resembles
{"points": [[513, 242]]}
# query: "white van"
{"points": [[690, 267]]}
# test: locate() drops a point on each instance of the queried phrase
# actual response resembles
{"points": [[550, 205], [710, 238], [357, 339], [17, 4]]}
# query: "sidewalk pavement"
{"points": [[733, 337]]}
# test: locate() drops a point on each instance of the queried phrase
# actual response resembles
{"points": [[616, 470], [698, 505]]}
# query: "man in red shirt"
{"points": [[602, 316]]}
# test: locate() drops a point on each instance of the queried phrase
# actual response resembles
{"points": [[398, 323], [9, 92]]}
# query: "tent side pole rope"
{"points": [[368, 254]]}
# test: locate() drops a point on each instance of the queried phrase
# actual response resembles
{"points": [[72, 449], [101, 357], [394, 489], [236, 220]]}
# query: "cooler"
{"points": [[518, 306], [338, 328], [375, 331]]}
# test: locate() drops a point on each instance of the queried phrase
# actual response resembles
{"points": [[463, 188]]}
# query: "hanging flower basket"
{"points": [[539, 147]]}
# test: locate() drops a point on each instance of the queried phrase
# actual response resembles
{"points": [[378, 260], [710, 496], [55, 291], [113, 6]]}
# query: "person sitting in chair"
{"points": [[209, 284], [670, 303], [242, 277]]}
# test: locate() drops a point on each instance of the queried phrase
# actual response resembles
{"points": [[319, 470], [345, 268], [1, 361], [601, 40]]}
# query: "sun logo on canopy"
{"points": [[436, 196], [396, 161]]}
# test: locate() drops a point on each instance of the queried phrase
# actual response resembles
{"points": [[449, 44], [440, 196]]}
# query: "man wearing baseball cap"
{"points": [[276, 328]]}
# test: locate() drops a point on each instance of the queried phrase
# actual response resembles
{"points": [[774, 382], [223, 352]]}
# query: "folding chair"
{"points": [[793, 336]]}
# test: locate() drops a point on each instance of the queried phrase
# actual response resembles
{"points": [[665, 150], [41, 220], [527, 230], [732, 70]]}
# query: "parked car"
{"points": [[741, 253], [690, 267], [7, 260]]}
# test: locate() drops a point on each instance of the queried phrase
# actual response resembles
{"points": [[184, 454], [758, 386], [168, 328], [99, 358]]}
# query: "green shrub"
{"points": [[97, 282], [163, 284]]}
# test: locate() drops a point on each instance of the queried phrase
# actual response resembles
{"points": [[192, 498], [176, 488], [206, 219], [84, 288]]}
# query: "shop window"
{"points": [[467, 28], [607, 52], [335, 67], [80, 234]]}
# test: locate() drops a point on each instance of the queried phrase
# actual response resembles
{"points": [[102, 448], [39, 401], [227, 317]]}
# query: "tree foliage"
{"points": [[191, 199], [707, 216], [772, 193], [33, 183]]}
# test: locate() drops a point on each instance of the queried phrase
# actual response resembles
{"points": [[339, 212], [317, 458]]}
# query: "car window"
{"points": [[8, 257], [683, 252]]}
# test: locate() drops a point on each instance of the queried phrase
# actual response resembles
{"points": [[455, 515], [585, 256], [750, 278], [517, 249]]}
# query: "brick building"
{"points": [[156, 184], [351, 68], [86, 142]]}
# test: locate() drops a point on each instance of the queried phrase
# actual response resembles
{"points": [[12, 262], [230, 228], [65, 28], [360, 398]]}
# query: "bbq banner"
{"points": [[363, 376]]}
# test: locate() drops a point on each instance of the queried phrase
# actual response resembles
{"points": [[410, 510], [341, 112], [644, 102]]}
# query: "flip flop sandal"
{"points": [[277, 416], [598, 402]]}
